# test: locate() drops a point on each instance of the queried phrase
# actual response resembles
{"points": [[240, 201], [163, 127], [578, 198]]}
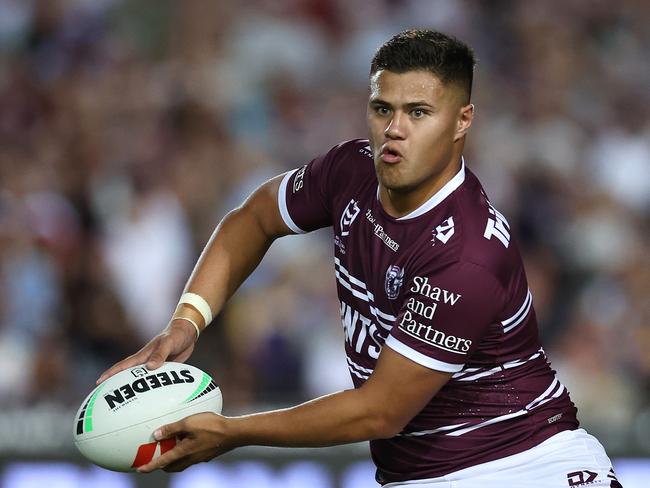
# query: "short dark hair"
{"points": [[451, 60]]}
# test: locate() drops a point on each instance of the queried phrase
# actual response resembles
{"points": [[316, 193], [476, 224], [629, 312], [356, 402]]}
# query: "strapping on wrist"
{"points": [[199, 303], [191, 321]]}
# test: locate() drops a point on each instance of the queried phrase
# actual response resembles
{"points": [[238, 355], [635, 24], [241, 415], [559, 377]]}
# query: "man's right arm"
{"points": [[234, 250]]}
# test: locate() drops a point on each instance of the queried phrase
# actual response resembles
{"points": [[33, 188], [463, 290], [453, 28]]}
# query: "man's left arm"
{"points": [[397, 391]]}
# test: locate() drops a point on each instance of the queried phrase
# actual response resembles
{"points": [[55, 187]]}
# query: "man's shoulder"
{"points": [[469, 230], [355, 151], [487, 239], [350, 165]]}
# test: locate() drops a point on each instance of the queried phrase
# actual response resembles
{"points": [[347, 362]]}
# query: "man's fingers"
{"points": [[159, 355], [163, 460], [170, 430], [180, 465], [166, 432], [129, 362]]}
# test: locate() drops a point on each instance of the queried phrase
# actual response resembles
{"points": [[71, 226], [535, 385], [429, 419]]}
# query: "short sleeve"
{"points": [[303, 197], [444, 315]]}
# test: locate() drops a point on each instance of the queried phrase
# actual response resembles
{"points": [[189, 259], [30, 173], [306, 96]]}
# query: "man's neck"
{"points": [[397, 204]]}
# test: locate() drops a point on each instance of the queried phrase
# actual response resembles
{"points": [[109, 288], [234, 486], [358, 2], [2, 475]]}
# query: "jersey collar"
{"points": [[439, 196]]}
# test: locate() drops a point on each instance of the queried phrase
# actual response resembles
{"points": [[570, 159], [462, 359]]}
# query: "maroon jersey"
{"points": [[444, 286]]}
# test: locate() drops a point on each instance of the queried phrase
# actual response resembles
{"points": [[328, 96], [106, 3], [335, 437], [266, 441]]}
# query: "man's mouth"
{"points": [[390, 155]]}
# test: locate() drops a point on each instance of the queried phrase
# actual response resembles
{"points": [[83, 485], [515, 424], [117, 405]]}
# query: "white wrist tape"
{"points": [[196, 326], [199, 303]]}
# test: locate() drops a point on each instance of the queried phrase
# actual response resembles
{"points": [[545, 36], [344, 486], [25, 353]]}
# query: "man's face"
{"points": [[416, 128]]}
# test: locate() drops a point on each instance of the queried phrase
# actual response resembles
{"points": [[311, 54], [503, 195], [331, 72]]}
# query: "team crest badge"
{"points": [[394, 280], [349, 214]]}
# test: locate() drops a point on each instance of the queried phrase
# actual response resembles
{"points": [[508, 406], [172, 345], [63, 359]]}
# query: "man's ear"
{"points": [[465, 118]]}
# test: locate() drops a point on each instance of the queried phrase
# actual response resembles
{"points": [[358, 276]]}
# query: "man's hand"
{"points": [[175, 343], [201, 437]]}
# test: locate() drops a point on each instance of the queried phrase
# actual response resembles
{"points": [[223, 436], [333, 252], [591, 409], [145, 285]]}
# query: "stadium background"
{"points": [[128, 128]]}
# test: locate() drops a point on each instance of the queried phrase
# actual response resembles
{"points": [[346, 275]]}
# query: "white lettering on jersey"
{"points": [[418, 307], [421, 285], [356, 324], [349, 214], [298, 181], [433, 337], [444, 231], [378, 229], [497, 227], [338, 242], [366, 151]]}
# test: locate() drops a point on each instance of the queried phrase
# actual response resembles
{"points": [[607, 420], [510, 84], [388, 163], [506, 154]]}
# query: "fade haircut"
{"points": [[451, 60]]}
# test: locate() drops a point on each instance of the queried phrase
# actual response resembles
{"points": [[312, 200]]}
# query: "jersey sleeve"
{"points": [[445, 314], [304, 194]]}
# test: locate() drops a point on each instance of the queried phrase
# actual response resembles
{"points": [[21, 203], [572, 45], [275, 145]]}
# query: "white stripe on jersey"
{"points": [[357, 370], [521, 314], [420, 358], [554, 390], [347, 281], [282, 204], [353, 280], [364, 295], [432, 431], [471, 374], [359, 375], [555, 386]]}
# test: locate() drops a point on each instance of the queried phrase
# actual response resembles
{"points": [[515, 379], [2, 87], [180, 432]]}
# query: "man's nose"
{"points": [[396, 128]]}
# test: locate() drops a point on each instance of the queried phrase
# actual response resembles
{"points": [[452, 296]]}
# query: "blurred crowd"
{"points": [[129, 128]]}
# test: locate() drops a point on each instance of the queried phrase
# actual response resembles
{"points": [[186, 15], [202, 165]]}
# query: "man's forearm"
{"points": [[339, 418], [237, 246], [234, 250]]}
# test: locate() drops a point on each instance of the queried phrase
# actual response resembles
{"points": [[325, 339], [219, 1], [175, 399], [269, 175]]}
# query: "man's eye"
{"points": [[418, 113], [382, 110]]}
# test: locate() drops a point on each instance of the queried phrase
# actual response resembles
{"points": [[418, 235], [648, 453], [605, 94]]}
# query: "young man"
{"points": [[452, 387]]}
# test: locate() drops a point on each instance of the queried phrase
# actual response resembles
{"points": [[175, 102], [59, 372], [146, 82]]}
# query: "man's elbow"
{"points": [[386, 425]]}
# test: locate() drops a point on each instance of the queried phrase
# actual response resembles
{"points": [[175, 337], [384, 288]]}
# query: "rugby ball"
{"points": [[114, 425]]}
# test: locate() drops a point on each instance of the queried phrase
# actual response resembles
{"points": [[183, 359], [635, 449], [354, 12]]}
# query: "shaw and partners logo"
{"points": [[394, 280], [350, 213], [378, 230], [418, 309]]}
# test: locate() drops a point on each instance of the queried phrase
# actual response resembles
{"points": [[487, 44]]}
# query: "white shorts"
{"points": [[569, 459]]}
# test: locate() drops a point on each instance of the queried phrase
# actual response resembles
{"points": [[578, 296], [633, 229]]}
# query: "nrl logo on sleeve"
{"points": [[349, 214], [394, 280]]}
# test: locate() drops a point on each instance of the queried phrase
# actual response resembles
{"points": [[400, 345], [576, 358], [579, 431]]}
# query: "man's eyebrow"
{"points": [[408, 106], [379, 101], [418, 103]]}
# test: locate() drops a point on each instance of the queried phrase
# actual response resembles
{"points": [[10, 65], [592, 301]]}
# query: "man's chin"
{"points": [[390, 177], [395, 186]]}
